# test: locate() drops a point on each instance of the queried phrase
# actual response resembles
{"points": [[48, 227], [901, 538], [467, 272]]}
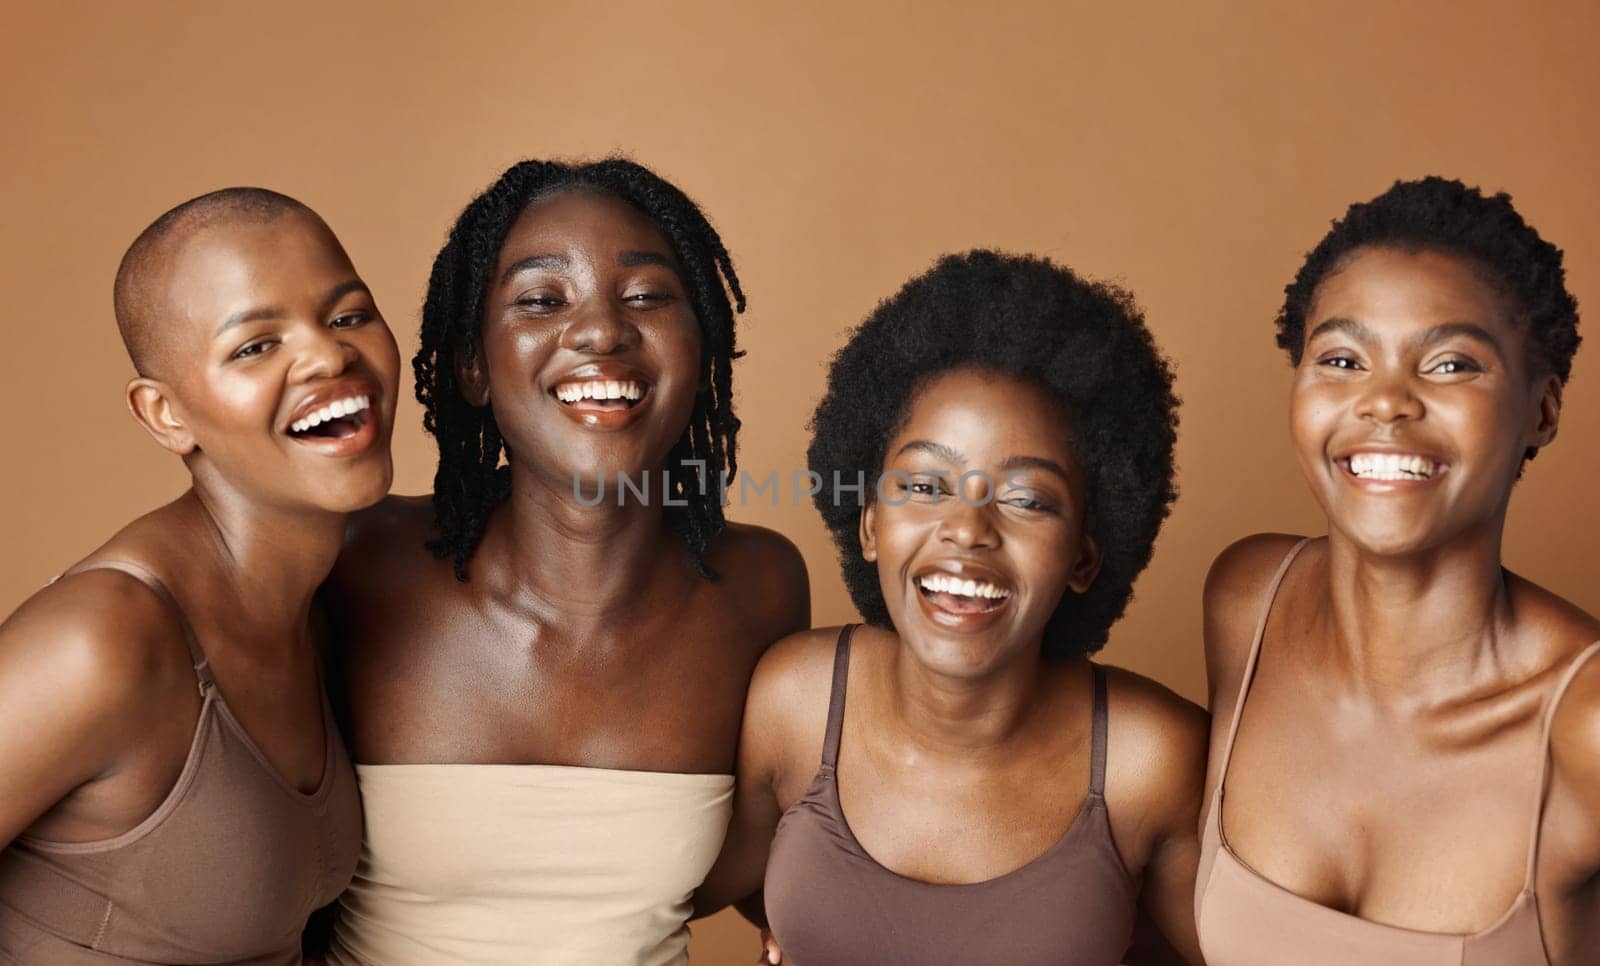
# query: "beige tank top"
{"points": [[516, 864], [224, 871], [1244, 919]]}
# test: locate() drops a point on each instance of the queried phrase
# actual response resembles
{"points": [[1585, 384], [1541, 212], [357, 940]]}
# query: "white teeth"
{"points": [[1392, 466], [572, 392], [942, 584], [337, 409]]}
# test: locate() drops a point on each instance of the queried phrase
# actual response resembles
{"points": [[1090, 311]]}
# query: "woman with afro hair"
{"points": [[995, 452], [1408, 733], [545, 660]]}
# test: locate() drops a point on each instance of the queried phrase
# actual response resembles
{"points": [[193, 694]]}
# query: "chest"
{"points": [[1423, 826], [460, 682], [942, 824]]}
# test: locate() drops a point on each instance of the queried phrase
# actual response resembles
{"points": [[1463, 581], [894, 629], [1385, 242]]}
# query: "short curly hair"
{"points": [[1441, 214], [1085, 342]]}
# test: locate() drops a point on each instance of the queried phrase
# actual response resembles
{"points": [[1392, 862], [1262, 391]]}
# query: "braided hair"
{"points": [[470, 480]]}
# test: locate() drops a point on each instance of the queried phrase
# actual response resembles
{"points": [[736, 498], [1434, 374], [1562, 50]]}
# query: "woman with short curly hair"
{"points": [[995, 452], [1408, 733]]}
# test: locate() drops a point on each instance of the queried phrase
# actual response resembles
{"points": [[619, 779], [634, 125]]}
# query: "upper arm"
{"points": [[76, 668], [1573, 816], [1156, 802], [782, 728]]}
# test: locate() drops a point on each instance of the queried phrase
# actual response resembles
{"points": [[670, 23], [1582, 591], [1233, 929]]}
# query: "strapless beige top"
{"points": [[546, 864]]}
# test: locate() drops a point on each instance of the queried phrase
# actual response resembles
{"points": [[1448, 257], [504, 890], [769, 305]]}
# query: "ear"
{"points": [[869, 532], [472, 375], [153, 406], [1087, 566], [1548, 414]]}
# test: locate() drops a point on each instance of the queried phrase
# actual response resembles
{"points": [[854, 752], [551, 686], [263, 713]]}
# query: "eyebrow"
{"points": [[547, 262], [928, 446], [1439, 333], [555, 262], [272, 313], [1035, 463]]}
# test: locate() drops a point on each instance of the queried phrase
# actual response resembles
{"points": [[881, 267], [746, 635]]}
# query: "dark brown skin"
{"points": [[100, 695], [583, 637], [1387, 759], [965, 754]]}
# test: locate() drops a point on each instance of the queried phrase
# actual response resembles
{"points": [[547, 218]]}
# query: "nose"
{"points": [[968, 521], [323, 354], [1388, 399], [602, 328]]}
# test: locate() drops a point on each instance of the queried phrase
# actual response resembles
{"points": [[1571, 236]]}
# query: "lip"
{"points": [[362, 440], [1341, 459], [964, 622], [602, 419]]}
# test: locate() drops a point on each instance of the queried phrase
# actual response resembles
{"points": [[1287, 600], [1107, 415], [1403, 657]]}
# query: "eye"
{"points": [[539, 302], [1453, 367], [250, 349], [1339, 362], [1030, 503], [652, 297], [349, 320]]}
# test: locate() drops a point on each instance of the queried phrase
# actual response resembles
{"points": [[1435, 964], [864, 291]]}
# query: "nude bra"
{"points": [[1246, 920]]}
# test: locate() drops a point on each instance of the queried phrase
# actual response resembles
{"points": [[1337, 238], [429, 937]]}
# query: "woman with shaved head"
{"points": [[172, 785]]}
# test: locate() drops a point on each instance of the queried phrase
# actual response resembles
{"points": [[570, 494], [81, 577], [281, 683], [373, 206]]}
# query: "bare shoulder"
{"points": [[1575, 735], [89, 655], [786, 711], [766, 574], [1235, 592], [1160, 734]]}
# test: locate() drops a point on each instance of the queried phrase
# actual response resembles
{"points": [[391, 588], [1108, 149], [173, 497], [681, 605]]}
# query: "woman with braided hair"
{"points": [[545, 661]]}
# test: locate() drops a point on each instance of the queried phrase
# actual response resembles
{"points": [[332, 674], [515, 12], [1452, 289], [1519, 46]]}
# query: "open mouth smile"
{"points": [[1391, 467], [601, 400], [961, 603], [344, 425]]}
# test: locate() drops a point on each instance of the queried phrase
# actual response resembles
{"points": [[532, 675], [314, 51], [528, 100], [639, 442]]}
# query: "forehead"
{"points": [[1395, 287], [584, 222], [988, 416], [284, 262]]}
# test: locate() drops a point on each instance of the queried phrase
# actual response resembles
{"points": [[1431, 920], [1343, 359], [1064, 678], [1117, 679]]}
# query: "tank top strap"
{"points": [[1255, 656], [841, 672], [1544, 753], [1097, 738], [202, 670]]}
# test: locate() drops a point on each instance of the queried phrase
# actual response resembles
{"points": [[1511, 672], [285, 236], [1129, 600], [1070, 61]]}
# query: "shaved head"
{"points": [[143, 295]]}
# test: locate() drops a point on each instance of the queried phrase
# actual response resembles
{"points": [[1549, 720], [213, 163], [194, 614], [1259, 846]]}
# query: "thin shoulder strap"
{"points": [[1255, 655], [202, 670], [841, 671], [1097, 746], [1543, 787]]}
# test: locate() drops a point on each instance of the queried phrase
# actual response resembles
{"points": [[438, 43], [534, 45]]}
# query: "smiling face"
{"points": [[590, 351], [1414, 400], [972, 572], [281, 373]]}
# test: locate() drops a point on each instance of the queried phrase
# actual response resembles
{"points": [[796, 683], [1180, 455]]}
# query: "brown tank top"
{"points": [[829, 903], [1244, 919], [224, 871]]}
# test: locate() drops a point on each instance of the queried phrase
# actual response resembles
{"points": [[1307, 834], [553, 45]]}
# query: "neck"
{"points": [[551, 551], [1418, 628], [968, 717], [274, 559]]}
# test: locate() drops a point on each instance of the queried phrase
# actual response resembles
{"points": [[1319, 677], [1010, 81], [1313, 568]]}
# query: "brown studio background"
{"points": [[1190, 152]]}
